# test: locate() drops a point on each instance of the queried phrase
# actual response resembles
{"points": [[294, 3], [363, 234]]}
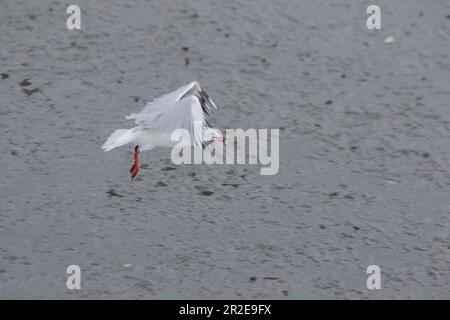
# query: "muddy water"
{"points": [[364, 150]]}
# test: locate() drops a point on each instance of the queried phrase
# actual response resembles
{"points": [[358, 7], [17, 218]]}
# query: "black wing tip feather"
{"points": [[208, 106]]}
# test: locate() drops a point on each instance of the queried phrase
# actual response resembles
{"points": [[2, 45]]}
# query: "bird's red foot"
{"points": [[135, 168], [134, 171]]}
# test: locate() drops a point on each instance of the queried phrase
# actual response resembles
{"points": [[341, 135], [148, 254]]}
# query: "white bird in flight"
{"points": [[185, 108]]}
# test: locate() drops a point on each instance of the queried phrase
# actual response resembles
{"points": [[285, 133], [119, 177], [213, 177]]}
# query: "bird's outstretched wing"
{"points": [[185, 114], [185, 108], [191, 89]]}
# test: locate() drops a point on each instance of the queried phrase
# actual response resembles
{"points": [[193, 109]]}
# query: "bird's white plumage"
{"points": [[166, 99], [184, 108]]}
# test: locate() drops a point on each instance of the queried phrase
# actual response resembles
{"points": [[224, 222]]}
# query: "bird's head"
{"points": [[214, 135]]}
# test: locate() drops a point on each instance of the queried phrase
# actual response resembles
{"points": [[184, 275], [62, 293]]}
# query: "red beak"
{"points": [[222, 139]]}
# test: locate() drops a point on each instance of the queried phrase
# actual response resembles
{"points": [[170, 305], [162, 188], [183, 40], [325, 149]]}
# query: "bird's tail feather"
{"points": [[118, 138]]}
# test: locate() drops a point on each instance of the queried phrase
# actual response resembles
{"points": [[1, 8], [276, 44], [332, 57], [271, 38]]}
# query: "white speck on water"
{"points": [[389, 40]]}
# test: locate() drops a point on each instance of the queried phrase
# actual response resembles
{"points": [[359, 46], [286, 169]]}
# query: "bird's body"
{"points": [[184, 108], [139, 135]]}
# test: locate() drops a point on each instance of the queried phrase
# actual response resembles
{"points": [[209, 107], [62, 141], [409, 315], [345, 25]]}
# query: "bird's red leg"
{"points": [[135, 168]]}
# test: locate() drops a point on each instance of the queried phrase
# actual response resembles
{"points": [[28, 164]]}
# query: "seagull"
{"points": [[184, 108]]}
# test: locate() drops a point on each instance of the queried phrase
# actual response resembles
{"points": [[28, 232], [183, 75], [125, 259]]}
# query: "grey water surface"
{"points": [[364, 173]]}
